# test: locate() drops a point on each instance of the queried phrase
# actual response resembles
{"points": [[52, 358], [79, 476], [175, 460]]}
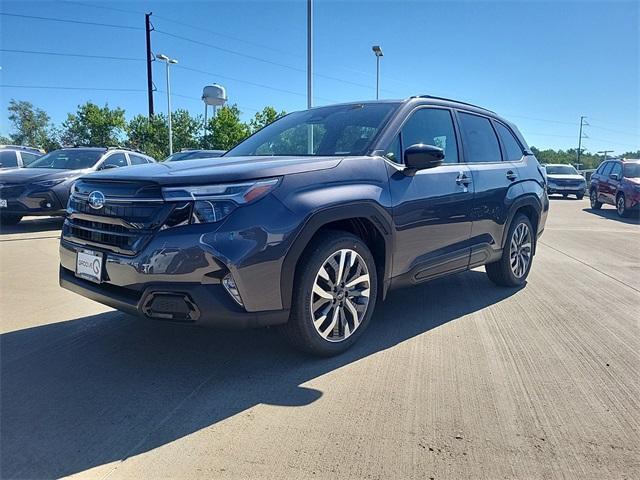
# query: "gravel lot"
{"points": [[454, 379]]}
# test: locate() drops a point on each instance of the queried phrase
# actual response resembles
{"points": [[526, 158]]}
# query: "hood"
{"points": [[633, 180], [29, 175], [555, 176], [216, 170]]}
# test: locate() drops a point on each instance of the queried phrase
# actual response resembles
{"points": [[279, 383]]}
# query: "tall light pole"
{"points": [[168, 61], [309, 71], [580, 137], [378, 51]]}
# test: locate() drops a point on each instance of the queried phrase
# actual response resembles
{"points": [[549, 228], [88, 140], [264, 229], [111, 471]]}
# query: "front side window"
{"points": [[617, 169], [68, 159], [137, 159], [8, 159], [432, 126], [479, 138], [115, 160], [27, 158], [344, 130], [511, 146]]}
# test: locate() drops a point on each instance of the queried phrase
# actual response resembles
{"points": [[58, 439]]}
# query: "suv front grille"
{"points": [[124, 224]]}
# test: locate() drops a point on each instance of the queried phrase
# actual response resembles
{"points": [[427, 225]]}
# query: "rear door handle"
{"points": [[511, 176]]}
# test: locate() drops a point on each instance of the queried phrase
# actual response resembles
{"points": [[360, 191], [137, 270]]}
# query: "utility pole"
{"points": [[309, 71], [582, 123], [149, 28], [605, 152]]}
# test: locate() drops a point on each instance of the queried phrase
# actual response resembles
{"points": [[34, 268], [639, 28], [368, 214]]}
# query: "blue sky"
{"points": [[540, 64]]}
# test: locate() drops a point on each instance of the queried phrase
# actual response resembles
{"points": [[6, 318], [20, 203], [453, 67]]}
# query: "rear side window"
{"points": [[511, 146], [432, 126], [27, 158], [479, 138], [607, 168], [8, 159]]}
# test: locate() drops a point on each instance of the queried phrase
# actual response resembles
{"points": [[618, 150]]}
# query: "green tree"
{"points": [[31, 126], [186, 130], [264, 118], [225, 130], [94, 126]]}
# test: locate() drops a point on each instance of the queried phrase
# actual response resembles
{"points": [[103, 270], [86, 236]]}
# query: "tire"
{"points": [[325, 340], [580, 196], [501, 272], [593, 198], [9, 219], [621, 206], [565, 195]]}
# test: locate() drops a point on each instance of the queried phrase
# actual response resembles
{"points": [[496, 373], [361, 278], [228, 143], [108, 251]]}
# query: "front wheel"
{"points": [[513, 267], [621, 206], [334, 295], [593, 199]]}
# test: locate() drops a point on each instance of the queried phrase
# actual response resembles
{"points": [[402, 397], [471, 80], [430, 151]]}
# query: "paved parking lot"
{"points": [[454, 379]]}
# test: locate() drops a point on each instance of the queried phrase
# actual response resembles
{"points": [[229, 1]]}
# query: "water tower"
{"points": [[214, 95]]}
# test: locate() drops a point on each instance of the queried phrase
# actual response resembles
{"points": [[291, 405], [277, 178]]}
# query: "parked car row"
{"points": [[17, 156]]}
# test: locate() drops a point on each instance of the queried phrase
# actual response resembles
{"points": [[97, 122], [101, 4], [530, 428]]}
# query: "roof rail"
{"points": [[22, 147], [453, 100]]}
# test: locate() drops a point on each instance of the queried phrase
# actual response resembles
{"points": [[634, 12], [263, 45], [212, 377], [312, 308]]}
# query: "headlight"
{"points": [[212, 203], [49, 183]]}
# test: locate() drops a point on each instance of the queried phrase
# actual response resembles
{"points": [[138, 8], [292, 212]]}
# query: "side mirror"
{"points": [[421, 156], [614, 176]]}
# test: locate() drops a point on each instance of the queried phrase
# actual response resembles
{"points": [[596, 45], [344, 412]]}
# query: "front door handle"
{"points": [[511, 176], [463, 179]]}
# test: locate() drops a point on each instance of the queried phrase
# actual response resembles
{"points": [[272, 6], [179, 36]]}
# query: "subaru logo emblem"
{"points": [[96, 200]]}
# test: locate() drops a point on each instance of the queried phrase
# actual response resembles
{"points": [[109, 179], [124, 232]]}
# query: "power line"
{"points": [[616, 131], [64, 20], [79, 55]]}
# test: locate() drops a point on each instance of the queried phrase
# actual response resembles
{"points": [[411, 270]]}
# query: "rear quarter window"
{"points": [[479, 139]]}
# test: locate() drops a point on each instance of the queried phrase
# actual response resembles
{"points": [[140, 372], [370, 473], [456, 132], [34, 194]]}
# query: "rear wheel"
{"points": [[579, 196], [10, 219], [513, 267], [621, 205], [334, 295], [593, 198]]}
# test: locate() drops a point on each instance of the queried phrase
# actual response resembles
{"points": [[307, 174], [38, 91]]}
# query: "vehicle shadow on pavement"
{"points": [[612, 214], [32, 225], [86, 392]]}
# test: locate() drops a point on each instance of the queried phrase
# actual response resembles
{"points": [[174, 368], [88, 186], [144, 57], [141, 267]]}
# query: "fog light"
{"points": [[231, 287]]}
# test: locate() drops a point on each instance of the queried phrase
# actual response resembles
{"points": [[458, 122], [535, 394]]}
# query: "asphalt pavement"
{"points": [[454, 379]]}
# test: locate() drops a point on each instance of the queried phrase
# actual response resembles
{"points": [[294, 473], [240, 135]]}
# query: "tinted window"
{"points": [[27, 158], [511, 146], [71, 159], [480, 141], [632, 170], [432, 126], [601, 168], [8, 159], [337, 130], [394, 152], [607, 168], [617, 168], [115, 160], [137, 159]]}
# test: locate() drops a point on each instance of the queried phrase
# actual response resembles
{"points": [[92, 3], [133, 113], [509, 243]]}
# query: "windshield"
{"points": [[68, 159], [344, 130], [176, 157], [561, 170], [632, 170]]}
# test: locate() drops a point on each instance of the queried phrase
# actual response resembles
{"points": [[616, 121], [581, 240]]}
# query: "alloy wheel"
{"points": [[594, 198], [340, 295], [620, 205], [520, 250]]}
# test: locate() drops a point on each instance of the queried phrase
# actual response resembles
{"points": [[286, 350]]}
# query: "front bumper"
{"points": [[207, 305], [33, 203], [566, 190]]}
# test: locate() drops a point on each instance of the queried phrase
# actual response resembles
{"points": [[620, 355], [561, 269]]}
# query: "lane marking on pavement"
{"points": [[590, 266]]}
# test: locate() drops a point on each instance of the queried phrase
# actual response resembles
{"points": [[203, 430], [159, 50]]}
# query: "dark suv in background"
{"points": [[616, 182], [310, 221], [42, 187]]}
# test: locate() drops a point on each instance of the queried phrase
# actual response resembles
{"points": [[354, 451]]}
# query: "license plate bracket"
{"points": [[89, 265]]}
